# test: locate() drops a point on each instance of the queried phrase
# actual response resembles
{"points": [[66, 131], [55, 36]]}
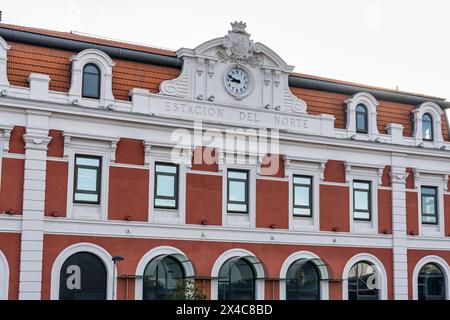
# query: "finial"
{"points": [[239, 27]]}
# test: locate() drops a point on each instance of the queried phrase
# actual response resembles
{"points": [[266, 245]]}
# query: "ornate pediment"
{"points": [[208, 68]]}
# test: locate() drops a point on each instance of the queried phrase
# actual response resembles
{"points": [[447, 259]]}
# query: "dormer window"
{"points": [[91, 81], [361, 119], [427, 127]]}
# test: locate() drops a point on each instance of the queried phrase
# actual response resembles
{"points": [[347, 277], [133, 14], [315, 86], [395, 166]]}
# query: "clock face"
{"points": [[237, 81]]}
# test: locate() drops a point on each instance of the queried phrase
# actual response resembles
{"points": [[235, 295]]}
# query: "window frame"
{"points": [[99, 82], [176, 186], [436, 205], [369, 198], [247, 197], [99, 179], [366, 119], [431, 139], [311, 197]]}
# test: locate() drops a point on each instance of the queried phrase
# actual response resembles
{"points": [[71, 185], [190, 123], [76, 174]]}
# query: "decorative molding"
{"points": [[436, 113], [4, 47], [113, 149], [371, 105], [147, 152], [6, 138]]}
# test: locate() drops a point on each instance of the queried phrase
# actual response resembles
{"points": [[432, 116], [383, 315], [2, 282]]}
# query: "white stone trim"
{"points": [[371, 105], [76, 248], [149, 256], [105, 65], [4, 47], [297, 256], [436, 113], [438, 261], [224, 257], [4, 277], [379, 267]]}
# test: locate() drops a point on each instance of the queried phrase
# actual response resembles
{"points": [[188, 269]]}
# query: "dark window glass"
{"points": [[82, 277], [237, 195], [166, 185], [361, 200], [87, 181], [302, 281], [431, 283], [362, 282], [429, 205], [236, 280], [427, 127], [162, 278], [91, 81], [302, 196], [361, 119]]}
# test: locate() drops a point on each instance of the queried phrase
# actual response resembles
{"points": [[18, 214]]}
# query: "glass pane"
{"points": [[302, 180], [301, 196], [166, 168], [431, 283], [428, 205], [87, 179], [237, 174], [361, 200], [162, 279], [429, 219], [361, 122], [237, 191], [86, 197], [236, 280], [93, 162], [165, 185], [165, 203], [361, 185], [362, 282], [428, 190], [302, 281], [302, 211], [361, 215], [91, 85], [427, 127], [237, 207]]}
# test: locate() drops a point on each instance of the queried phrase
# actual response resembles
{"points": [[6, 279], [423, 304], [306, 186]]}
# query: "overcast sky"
{"points": [[404, 44]]}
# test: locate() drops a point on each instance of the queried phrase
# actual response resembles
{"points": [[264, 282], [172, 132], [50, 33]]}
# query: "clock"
{"points": [[238, 81]]}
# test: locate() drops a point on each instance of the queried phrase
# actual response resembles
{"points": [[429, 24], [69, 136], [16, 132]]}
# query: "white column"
{"points": [[36, 141], [400, 252]]}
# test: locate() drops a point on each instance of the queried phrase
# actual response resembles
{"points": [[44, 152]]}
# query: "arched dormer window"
{"points": [[427, 127], [361, 115], [91, 81], [361, 119]]}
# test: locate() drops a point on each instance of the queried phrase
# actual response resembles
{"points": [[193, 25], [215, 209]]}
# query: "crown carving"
{"points": [[239, 27]]}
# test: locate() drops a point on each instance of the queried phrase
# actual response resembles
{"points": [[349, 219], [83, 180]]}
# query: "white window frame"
{"points": [[4, 277], [359, 172], [324, 276], [242, 220], [305, 168], [4, 47], [99, 252], [158, 153], [105, 65], [436, 113], [438, 261], [379, 267], [431, 180], [91, 148], [371, 104]]}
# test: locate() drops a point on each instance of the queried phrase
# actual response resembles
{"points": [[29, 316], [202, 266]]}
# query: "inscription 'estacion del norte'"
{"points": [[229, 114]]}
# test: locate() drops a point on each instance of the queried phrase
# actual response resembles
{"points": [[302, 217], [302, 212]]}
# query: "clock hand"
{"points": [[234, 79]]}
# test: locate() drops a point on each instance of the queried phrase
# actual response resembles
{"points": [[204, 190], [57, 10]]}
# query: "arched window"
{"points": [[427, 127], [91, 81], [431, 283], [162, 278], [302, 281], [361, 119], [82, 277], [237, 280], [362, 282]]}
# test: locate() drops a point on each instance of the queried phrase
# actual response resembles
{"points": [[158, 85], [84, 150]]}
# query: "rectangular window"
{"points": [[429, 205], [302, 196], [87, 180], [361, 200], [166, 185], [237, 191]]}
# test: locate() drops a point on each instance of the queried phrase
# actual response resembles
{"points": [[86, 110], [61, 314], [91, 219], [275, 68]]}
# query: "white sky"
{"points": [[406, 43]]}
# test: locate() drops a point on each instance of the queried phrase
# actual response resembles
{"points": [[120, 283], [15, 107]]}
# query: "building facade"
{"points": [[125, 169]]}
